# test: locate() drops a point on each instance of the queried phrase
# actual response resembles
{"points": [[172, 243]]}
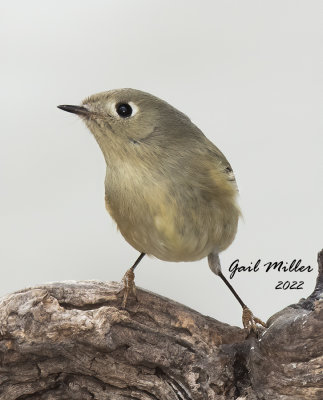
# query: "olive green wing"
{"points": [[222, 163]]}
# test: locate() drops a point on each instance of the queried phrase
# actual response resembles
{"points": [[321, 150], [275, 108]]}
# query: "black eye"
{"points": [[124, 110]]}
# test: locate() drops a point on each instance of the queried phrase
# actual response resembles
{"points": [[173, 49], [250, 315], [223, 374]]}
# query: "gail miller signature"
{"points": [[280, 266]]}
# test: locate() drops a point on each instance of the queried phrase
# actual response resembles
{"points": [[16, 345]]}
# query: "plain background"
{"points": [[249, 74]]}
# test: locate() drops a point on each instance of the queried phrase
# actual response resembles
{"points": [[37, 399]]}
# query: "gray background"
{"points": [[249, 74]]}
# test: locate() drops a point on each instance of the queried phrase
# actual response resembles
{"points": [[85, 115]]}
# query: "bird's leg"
{"points": [[249, 321], [129, 281]]}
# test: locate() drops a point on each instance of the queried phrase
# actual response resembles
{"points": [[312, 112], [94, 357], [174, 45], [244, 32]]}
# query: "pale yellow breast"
{"points": [[163, 220]]}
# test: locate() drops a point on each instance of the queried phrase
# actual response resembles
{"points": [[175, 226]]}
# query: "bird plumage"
{"points": [[170, 190]]}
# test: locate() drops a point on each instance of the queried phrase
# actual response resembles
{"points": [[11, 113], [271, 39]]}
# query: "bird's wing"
{"points": [[222, 163]]}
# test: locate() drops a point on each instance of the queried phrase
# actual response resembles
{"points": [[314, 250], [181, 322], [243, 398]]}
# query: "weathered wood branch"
{"points": [[73, 341]]}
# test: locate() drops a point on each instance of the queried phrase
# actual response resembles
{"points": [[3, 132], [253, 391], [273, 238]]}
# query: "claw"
{"points": [[250, 321], [129, 286]]}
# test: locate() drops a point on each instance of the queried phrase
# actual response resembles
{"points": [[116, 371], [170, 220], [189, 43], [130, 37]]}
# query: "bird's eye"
{"points": [[124, 110]]}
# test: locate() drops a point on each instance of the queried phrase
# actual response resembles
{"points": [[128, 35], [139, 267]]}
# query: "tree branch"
{"points": [[71, 340]]}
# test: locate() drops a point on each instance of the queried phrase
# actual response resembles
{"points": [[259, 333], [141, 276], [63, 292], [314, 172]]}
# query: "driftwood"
{"points": [[72, 340]]}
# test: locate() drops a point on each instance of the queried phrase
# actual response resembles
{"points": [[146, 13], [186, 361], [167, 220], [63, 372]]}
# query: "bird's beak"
{"points": [[79, 110]]}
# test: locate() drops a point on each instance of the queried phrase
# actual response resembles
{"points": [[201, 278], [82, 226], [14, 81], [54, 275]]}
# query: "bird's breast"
{"points": [[168, 221]]}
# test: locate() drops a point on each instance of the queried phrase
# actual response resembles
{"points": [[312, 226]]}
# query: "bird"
{"points": [[170, 190]]}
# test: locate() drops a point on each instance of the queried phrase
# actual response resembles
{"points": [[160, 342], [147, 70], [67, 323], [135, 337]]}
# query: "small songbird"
{"points": [[170, 190]]}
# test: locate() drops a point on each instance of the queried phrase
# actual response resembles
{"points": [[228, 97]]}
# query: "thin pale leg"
{"points": [[249, 321], [129, 281]]}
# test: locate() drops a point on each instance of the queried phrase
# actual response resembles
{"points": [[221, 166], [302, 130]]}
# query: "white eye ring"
{"points": [[128, 107]]}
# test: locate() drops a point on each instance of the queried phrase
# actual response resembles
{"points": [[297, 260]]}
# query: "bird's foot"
{"points": [[129, 286], [250, 321]]}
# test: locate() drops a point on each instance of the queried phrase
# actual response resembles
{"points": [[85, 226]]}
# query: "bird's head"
{"points": [[123, 120]]}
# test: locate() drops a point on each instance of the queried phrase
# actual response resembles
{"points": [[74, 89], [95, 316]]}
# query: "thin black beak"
{"points": [[75, 109]]}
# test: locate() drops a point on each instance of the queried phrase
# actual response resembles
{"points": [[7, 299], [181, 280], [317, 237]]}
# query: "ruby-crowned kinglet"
{"points": [[170, 190]]}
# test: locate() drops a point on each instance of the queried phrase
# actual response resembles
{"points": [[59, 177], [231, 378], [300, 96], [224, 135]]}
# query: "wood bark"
{"points": [[72, 340]]}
